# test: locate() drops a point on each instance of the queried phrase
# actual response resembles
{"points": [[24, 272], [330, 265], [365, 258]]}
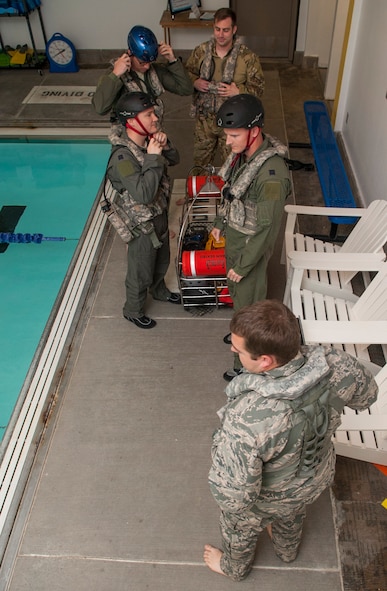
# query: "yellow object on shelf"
{"points": [[213, 244], [20, 55]]}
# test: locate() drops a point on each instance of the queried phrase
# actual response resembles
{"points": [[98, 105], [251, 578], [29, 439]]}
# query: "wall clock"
{"points": [[61, 54]]}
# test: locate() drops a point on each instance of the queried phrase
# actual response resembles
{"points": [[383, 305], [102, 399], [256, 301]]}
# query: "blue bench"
{"points": [[332, 175]]}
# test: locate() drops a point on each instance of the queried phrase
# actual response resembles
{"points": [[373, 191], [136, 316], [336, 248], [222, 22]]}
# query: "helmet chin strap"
{"points": [[144, 132], [249, 143]]}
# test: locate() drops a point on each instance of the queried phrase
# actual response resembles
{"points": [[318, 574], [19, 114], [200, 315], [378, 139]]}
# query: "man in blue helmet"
{"points": [[136, 70]]}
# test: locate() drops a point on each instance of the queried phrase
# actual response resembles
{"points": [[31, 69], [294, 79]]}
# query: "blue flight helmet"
{"points": [[142, 43]]}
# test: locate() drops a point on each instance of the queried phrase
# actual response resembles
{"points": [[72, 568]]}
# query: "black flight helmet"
{"points": [[129, 105], [241, 111]]}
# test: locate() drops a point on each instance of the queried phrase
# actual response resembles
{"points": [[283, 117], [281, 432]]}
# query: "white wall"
{"points": [[362, 109], [319, 29], [338, 37], [100, 24], [302, 25]]}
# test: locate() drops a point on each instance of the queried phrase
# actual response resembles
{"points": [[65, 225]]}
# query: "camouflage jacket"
{"points": [[257, 424], [248, 74], [173, 77]]}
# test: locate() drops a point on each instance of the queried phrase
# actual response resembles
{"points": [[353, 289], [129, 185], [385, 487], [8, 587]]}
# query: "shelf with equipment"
{"points": [[22, 56], [182, 20]]}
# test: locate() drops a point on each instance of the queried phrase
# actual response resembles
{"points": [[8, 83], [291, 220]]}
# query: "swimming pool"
{"points": [[46, 187]]}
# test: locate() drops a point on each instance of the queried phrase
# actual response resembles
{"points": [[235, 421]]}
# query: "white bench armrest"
{"points": [[326, 261], [363, 422], [345, 331], [325, 211]]}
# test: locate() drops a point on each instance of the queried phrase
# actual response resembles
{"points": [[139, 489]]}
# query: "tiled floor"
{"points": [[118, 496]]}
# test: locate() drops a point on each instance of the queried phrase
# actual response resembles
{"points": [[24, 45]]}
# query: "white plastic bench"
{"points": [[363, 435], [369, 235], [335, 316]]}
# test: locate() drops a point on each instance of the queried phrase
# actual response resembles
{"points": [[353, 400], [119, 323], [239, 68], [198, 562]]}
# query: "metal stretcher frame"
{"points": [[198, 212]]}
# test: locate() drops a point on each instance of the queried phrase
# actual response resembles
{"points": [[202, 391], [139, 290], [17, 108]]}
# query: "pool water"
{"points": [[57, 182]]}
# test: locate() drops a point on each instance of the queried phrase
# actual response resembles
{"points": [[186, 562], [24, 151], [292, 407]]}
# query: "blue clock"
{"points": [[61, 54]]}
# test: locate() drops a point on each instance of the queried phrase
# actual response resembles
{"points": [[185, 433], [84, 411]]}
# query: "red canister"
{"points": [[198, 263], [224, 296], [207, 186]]}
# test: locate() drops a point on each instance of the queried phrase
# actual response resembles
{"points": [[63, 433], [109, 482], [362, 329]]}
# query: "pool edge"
{"points": [[19, 450], [54, 132]]}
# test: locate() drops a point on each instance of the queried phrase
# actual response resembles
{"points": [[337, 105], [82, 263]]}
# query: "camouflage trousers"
{"points": [[208, 137], [240, 531], [240, 534]]}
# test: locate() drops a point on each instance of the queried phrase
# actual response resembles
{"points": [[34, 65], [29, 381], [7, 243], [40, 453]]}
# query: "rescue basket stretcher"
{"points": [[201, 267]]}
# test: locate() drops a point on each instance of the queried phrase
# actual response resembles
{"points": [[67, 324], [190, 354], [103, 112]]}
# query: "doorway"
{"points": [[268, 26]]}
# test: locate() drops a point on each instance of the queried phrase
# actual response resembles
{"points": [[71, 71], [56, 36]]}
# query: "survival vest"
{"points": [[311, 418]]}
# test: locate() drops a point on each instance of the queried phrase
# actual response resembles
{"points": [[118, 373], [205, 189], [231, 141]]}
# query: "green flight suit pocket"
{"points": [[264, 214], [125, 168], [272, 190]]}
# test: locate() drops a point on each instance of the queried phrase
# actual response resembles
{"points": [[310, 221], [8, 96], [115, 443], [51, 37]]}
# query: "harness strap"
{"points": [[144, 132]]}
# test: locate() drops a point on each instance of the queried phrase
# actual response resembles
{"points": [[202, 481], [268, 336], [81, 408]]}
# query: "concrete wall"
{"points": [[315, 29], [337, 47], [321, 17], [362, 110], [99, 24], [361, 117]]}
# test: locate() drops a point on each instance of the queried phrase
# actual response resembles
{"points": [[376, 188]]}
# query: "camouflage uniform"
{"points": [[248, 77], [142, 176], [274, 454]]}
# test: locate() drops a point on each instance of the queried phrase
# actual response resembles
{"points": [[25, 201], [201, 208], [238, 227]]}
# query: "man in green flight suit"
{"points": [[256, 185], [273, 453], [137, 169]]}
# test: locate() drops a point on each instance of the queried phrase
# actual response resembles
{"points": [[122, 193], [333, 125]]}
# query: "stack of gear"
{"points": [[202, 266], [17, 57], [18, 7], [10, 56]]}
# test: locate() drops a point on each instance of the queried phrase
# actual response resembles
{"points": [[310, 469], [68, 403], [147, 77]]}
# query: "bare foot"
{"points": [[212, 558], [172, 234]]}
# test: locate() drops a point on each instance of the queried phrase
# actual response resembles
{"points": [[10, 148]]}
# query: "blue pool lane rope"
{"points": [[11, 238]]}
